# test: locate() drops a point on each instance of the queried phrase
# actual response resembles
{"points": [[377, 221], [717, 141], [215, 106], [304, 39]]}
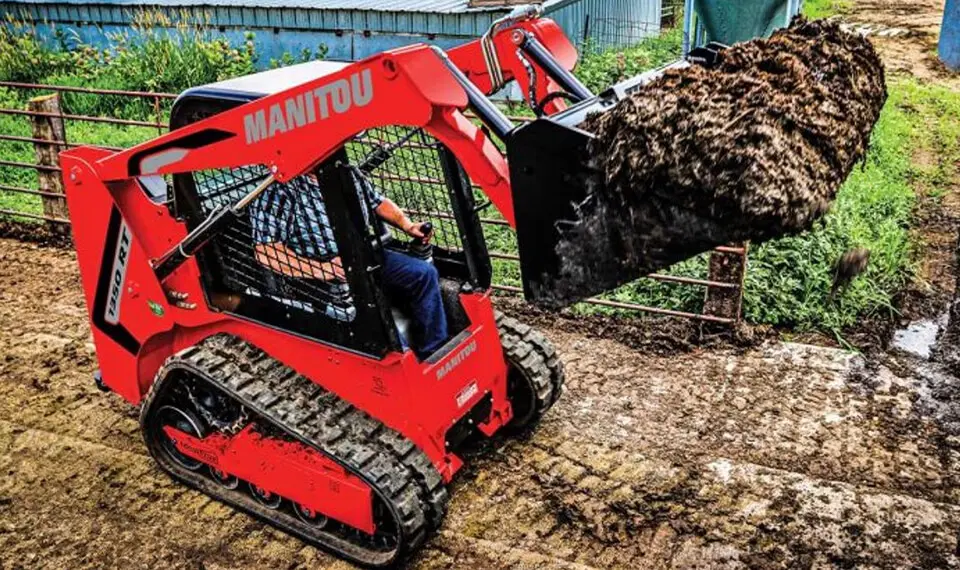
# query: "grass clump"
{"points": [[816, 9]]}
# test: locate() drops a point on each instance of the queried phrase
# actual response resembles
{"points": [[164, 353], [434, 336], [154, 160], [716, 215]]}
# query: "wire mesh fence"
{"points": [[602, 34], [671, 13], [407, 178]]}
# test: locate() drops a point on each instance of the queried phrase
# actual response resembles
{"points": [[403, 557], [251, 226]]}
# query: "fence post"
{"points": [[50, 128], [726, 267]]}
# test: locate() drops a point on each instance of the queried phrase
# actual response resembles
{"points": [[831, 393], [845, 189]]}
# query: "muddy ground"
{"points": [[906, 35], [665, 451], [774, 456]]}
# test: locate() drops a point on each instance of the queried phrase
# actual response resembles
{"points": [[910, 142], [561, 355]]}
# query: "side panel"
{"points": [[136, 328], [421, 400], [287, 469], [124, 300]]}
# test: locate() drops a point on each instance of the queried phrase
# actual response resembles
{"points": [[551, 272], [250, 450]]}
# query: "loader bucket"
{"points": [[569, 248], [737, 148]]}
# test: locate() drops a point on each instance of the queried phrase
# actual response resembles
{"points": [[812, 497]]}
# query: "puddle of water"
{"points": [[920, 337]]}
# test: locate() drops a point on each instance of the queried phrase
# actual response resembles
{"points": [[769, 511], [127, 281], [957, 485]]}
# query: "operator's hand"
{"points": [[415, 230]]}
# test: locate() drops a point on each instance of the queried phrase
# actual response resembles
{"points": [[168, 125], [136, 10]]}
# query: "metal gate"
{"points": [[43, 127]]}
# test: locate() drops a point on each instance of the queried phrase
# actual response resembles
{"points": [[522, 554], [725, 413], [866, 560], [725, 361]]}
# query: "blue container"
{"points": [[950, 35]]}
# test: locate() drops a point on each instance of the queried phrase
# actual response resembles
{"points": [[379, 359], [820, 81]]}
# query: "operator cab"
{"points": [[406, 165]]}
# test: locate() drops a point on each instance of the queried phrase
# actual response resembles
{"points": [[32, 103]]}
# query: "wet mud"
{"points": [[751, 149], [769, 455]]}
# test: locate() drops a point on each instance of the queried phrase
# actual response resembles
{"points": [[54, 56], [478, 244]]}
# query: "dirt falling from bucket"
{"points": [[752, 149]]}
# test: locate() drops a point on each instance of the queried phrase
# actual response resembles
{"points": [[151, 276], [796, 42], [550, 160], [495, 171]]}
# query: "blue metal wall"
{"points": [[347, 34], [608, 23]]}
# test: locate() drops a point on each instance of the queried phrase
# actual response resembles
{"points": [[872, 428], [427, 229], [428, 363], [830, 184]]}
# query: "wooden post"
{"points": [[726, 268], [50, 128]]}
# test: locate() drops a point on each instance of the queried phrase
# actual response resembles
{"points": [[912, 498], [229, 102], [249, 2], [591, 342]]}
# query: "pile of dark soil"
{"points": [[751, 149]]}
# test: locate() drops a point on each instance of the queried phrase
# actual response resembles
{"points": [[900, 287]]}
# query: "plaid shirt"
{"points": [[294, 214]]}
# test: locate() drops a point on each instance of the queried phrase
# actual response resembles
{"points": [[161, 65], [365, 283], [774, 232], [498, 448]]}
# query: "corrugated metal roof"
{"points": [[415, 6]]}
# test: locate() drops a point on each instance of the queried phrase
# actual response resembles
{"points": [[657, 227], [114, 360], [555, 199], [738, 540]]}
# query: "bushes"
{"points": [[23, 57], [599, 69], [155, 55]]}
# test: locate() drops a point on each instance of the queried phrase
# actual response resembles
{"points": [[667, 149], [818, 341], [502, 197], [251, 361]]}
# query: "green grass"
{"points": [[77, 133], [599, 70], [788, 280], [816, 9]]}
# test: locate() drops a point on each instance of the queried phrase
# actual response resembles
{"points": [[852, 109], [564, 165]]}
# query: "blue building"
{"points": [[349, 29]]}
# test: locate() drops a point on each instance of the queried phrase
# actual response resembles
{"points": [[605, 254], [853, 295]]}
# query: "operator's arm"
{"points": [[282, 259], [389, 212]]}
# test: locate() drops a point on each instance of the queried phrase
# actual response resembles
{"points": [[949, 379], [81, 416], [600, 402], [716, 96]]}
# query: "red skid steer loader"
{"points": [[295, 398]]}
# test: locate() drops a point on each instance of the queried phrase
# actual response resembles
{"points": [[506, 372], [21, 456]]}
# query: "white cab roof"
{"points": [[280, 79]]}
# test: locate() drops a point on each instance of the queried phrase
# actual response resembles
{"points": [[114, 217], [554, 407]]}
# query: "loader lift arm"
{"points": [[282, 125]]}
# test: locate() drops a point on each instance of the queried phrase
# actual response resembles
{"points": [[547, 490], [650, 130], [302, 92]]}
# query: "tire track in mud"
{"points": [[776, 457], [69, 503], [662, 514], [812, 410]]}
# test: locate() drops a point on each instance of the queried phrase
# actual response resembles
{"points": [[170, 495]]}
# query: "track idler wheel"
{"points": [[225, 479], [534, 372], [185, 421]]}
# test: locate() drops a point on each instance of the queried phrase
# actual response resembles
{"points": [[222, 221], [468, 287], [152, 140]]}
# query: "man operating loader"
{"points": [[293, 237]]}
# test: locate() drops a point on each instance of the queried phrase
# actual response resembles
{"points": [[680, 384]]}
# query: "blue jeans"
{"points": [[417, 282]]}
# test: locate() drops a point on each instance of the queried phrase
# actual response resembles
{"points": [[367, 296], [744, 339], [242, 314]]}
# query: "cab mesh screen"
{"points": [[412, 176], [281, 248]]}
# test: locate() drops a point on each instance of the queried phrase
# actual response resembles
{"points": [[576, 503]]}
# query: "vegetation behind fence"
{"points": [[787, 282]]}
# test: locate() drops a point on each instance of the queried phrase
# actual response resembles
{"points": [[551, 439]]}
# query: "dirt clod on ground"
{"points": [[753, 148]]}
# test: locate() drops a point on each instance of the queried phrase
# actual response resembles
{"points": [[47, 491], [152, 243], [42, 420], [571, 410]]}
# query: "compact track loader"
{"points": [[296, 399]]}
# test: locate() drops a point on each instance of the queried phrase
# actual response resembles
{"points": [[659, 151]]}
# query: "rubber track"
{"points": [[529, 350], [395, 465]]}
